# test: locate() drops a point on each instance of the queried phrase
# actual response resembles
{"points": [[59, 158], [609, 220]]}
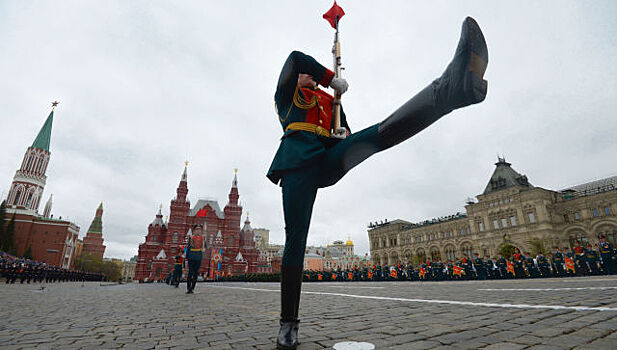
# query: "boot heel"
{"points": [[476, 88]]}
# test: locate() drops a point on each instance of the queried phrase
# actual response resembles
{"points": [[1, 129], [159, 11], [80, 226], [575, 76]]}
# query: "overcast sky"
{"points": [[145, 85]]}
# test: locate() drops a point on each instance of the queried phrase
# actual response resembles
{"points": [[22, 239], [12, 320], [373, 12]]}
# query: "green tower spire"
{"points": [[97, 223], [44, 137]]}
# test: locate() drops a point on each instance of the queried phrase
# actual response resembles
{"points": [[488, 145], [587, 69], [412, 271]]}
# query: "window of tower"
{"points": [[231, 240], [175, 237], [17, 197]]}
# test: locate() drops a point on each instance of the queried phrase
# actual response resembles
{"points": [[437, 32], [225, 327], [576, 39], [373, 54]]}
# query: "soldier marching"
{"points": [[20, 270]]}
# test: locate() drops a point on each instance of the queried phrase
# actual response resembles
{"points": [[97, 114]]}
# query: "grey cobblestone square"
{"points": [[390, 315]]}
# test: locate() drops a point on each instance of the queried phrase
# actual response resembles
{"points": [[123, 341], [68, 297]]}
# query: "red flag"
{"points": [[457, 270], [393, 273], [422, 272], [370, 274], [510, 268], [349, 276], [201, 213], [570, 264], [334, 14]]}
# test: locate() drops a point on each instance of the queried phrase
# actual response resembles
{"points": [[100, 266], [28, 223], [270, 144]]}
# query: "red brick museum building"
{"points": [[230, 249]]}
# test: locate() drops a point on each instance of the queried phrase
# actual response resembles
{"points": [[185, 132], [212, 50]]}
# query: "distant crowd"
{"points": [[580, 261], [14, 269]]}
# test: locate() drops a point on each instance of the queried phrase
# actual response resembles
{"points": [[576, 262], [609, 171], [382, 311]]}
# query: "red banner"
{"points": [[350, 276], [422, 272], [393, 273], [510, 268], [457, 270], [570, 265], [334, 14]]}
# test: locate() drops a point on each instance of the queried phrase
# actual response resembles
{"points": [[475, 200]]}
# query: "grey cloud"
{"points": [[146, 85]]}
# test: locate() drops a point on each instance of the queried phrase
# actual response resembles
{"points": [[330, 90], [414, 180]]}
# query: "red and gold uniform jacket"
{"points": [[195, 246], [178, 261], [298, 148]]}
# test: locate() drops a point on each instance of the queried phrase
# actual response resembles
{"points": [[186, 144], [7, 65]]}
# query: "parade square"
{"points": [[361, 137], [572, 313]]}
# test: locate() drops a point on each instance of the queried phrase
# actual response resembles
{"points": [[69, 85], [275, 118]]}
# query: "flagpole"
{"points": [[336, 55]]}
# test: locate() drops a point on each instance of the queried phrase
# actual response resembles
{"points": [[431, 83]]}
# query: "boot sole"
{"points": [[283, 347], [475, 86]]}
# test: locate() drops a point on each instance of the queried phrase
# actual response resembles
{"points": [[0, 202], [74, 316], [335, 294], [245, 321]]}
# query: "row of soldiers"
{"points": [[580, 261], [15, 269]]}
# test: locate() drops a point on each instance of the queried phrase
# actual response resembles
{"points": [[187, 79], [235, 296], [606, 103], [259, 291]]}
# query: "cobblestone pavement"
{"points": [[578, 313]]}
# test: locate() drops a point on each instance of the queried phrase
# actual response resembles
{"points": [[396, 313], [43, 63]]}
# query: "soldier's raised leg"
{"points": [[460, 85]]}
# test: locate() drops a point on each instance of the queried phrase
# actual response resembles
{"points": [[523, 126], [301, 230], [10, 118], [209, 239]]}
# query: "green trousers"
{"points": [[300, 187]]}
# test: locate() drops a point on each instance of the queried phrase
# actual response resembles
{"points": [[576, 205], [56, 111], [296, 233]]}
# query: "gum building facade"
{"points": [[510, 210]]}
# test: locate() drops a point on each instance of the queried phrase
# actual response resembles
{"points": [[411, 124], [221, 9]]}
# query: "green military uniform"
{"points": [[308, 158]]}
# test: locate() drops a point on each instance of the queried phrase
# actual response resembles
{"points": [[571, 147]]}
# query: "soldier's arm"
{"points": [[298, 63]]}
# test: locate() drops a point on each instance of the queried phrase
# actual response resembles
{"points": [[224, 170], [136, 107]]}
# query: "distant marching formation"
{"points": [[578, 262], [15, 269]]}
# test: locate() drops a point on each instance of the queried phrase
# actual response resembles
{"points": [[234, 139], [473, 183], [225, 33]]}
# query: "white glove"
{"points": [[339, 84], [340, 133]]}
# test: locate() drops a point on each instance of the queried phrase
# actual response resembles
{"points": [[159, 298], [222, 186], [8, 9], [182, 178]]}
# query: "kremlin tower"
{"points": [[93, 241], [51, 240], [29, 180]]}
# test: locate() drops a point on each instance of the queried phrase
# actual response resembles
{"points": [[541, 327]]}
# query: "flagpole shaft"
{"points": [[336, 104]]}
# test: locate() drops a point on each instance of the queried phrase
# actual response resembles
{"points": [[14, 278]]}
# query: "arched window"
{"points": [[467, 249], [29, 163], [408, 255], [37, 164], [393, 258], [579, 236], [421, 255], [450, 252], [174, 238], [29, 199], [17, 197], [231, 240], [610, 232], [435, 254]]}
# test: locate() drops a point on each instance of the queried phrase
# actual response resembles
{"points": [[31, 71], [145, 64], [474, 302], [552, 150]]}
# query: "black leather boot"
{"points": [[189, 285], [291, 283], [288, 335], [461, 85]]}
